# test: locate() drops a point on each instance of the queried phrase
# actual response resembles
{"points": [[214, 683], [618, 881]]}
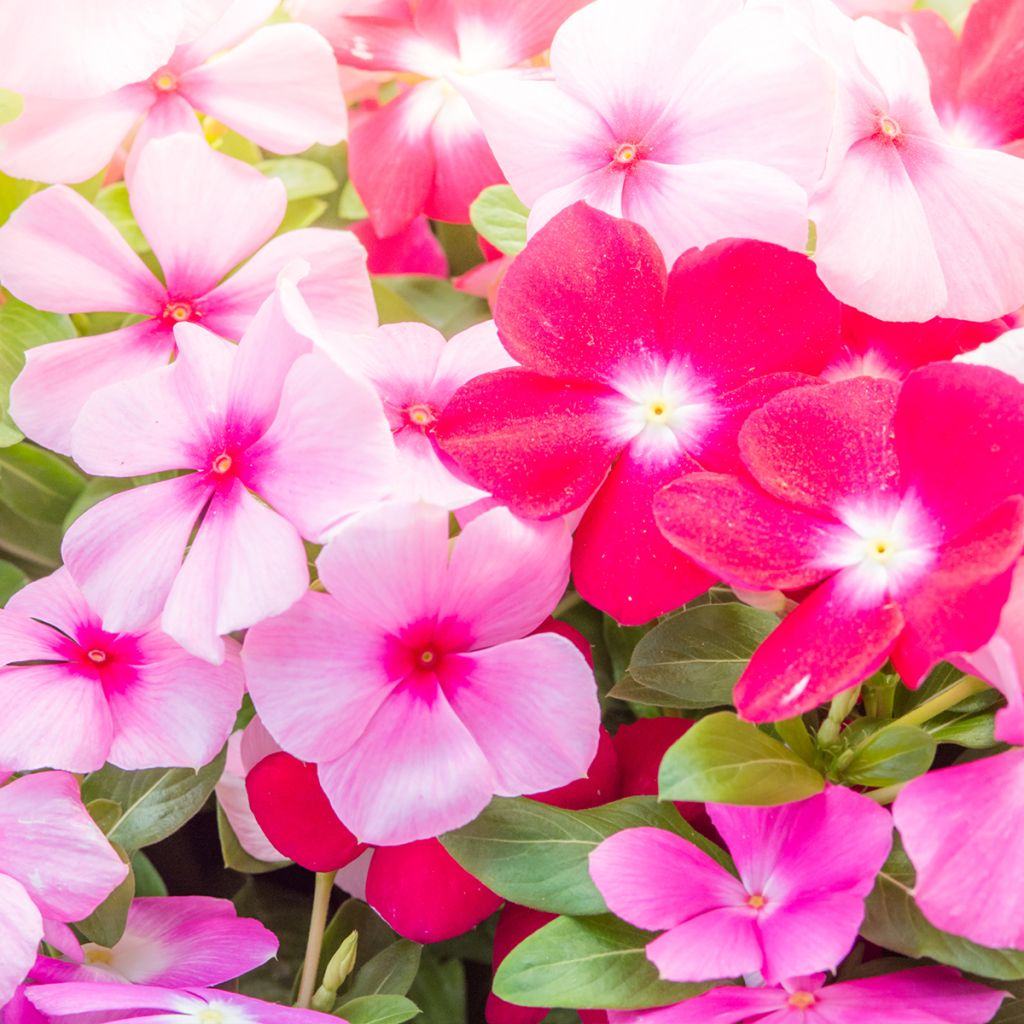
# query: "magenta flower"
{"points": [[698, 119], [416, 372], [276, 85], [74, 696], [55, 866], [804, 871], [626, 368], [203, 214], [921, 995], [900, 507], [889, 238], [279, 444], [962, 829], [171, 941], [445, 700]]}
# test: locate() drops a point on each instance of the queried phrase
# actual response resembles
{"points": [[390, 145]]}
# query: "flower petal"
{"points": [[21, 930]]}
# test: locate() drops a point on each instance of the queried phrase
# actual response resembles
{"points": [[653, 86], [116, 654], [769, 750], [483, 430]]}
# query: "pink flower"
{"points": [[415, 250], [1005, 353], [911, 224], [75, 696], [203, 214], [804, 871], [276, 85], [171, 941], [962, 829], [444, 703], [699, 120], [416, 372], [279, 445], [921, 995], [626, 368], [111, 1003], [901, 508], [55, 866]]}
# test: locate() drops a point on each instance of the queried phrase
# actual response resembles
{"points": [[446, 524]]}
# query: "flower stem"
{"points": [[317, 923], [950, 697]]}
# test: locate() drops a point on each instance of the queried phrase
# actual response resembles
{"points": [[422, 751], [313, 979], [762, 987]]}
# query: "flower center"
{"points": [[881, 549], [98, 954], [427, 659], [96, 656], [889, 127], [658, 411], [756, 901], [222, 464], [165, 81], [178, 312], [627, 153], [801, 1000], [420, 414], [210, 1016]]}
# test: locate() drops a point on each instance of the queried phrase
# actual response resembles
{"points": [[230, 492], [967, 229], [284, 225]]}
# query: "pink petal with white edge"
{"points": [[21, 929], [963, 829], [59, 378], [279, 88], [531, 706], [62, 255], [52, 847], [655, 879], [246, 563], [201, 212], [70, 140], [505, 576], [829, 643], [233, 800], [306, 651], [257, 743], [414, 773], [125, 552], [721, 943], [1005, 353], [177, 711], [386, 567], [468, 354], [328, 452]]}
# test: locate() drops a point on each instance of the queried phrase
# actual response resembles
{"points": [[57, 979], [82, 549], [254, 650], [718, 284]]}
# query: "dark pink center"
{"points": [[179, 311]]}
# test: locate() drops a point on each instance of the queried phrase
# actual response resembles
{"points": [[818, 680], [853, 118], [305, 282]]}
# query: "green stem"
{"points": [[317, 923], [841, 706], [950, 697], [794, 733]]}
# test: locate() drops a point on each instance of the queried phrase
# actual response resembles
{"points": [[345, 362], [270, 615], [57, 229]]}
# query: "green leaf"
{"points": [[893, 754], [350, 206], [235, 855], [893, 921], [377, 1010], [587, 963], [14, 191], [499, 215], [693, 658], [390, 973], [724, 760], [620, 642], [302, 179], [95, 491], [430, 300], [29, 542], [155, 802], [537, 855], [301, 213], [105, 925], [374, 935], [147, 879], [12, 579], [440, 991], [114, 204], [106, 813], [976, 732], [37, 484]]}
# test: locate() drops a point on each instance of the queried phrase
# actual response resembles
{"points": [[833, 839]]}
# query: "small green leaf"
{"points": [[236, 856], [377, 1010], [587, 963], [350, 206], [430, 300], [12, 579], [106, 813], [147, 879], [390, 973], [155, 802], [114, 204], [105, 925], [724, 760], [440, 991], [977, 732], [374, 936], [500, 217], [303, 179], [37, 484], [301, 213], [893, 754], [693, 658]]}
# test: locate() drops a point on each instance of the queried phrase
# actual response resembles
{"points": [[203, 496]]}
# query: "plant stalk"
{"points": [[317, 923]]}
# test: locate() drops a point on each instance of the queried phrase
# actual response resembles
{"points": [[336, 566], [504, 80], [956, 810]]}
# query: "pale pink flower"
{"points": [[804, 871], [280, 445], [203, 214], [1005, 353], [698, 119], [55, 866], [173, 941], [74, 695], [277, 85], [445, 700]]}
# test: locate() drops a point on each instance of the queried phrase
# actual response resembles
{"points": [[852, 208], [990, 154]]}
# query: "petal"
{"points": [[21, 929], [428, 475], [540, 444], [470, 353], [170, 115], [416, 250], [655, 879], [531, 706], [126, 551], [201, 212], [62, 255], [53, 600], [414, 773], [279, 88], [245, 564], [621, 562], [213, 30], [1005, 352], [770, 312], [302, 654], [584, 296], [59, 378], [742, 534], [729, 1004], [73, 997], [829, 643], [991, 82], [721, 943], [505, 576]]}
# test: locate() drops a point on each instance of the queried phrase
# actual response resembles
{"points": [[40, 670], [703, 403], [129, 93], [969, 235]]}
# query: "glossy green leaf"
{"points": [[500, 216], [725, 760], [106, 813], [893, 754], [375, 935], [302, 179], [391, 972], [377, 1010], [433, 301], [105, 925], [975, 731], [301, 214], [350, 206], [12, 579], [235, 855], [147, 879], [440, 991], [37, 484], [587, 963], [29, 543]]}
